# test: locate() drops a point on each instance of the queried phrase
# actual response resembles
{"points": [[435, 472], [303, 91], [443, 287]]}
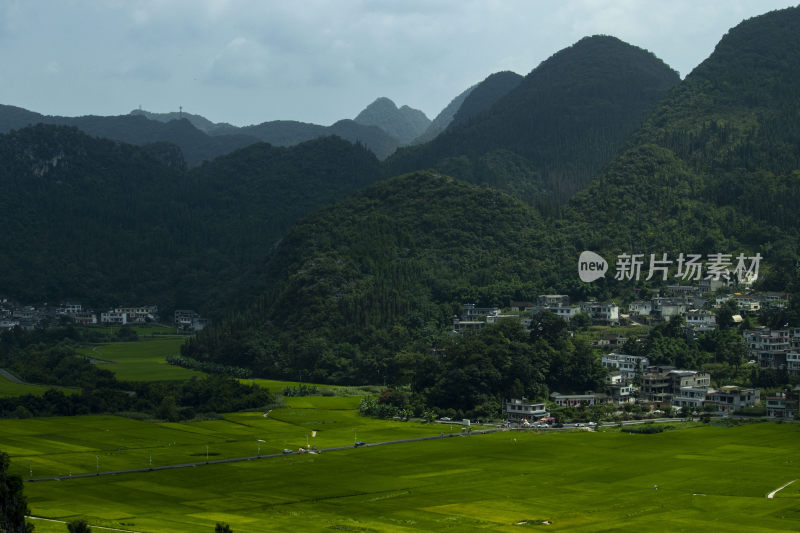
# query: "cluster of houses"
{"points": [[778, 349], [693, 302], [632, 379], [30, 317]]}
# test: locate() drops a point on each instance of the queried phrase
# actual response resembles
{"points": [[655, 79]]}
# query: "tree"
{"points": [[222, 528], [79, 526], [13, 506]]}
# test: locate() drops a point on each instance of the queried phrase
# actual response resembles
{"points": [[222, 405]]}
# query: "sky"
{"points": [[250, 61]]}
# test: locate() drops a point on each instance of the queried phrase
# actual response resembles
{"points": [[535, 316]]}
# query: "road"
{"points": [[334, 449], [256, 457]]}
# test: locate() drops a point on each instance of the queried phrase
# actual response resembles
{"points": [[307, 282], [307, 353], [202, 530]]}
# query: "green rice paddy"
{"points": [[143, 360], [10, 389], [705, 478], [698, 479]]}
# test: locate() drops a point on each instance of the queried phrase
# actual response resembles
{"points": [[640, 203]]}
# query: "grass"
{"points": [[277, 387], [75, 445], [708, 479], [141, 329], [143, 360], [10, 389]]}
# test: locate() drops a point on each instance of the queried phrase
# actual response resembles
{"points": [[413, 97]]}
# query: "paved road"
{"points": [[334, 449], [12, 378], [254, 457]]}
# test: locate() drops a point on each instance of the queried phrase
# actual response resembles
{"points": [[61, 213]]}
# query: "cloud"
{"points": [[319, 61], [242, 63]]}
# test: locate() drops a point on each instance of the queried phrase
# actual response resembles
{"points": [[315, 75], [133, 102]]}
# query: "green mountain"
{"points": [[485, 95], [713, 169], [404, 124], [291, 132], [135, 129], [198, 121], [382, 269], [716, 167], [109, 223], [444, 118], [546, 138]]}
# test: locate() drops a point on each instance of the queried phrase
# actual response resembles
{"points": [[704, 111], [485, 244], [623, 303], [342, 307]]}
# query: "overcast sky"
{"points": [[250, 61]]}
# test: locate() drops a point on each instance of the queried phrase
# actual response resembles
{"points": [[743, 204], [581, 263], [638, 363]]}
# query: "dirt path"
{"points": [[772, 494]]}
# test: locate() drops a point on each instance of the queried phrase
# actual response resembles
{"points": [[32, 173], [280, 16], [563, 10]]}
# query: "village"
{"points": [[29, 317], [633, 384]]}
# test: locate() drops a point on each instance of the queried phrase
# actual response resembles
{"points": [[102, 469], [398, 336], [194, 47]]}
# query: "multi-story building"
{"points": [[664, 308], [602, 312], [661, 385], [781, 405], [552, 300], [572, 400], [140, 314], [769, 347], [114, 316], [700, 319], [732, 398], [629, 366], [471, 312], [524, 410], [641, 308], [692, 397]]}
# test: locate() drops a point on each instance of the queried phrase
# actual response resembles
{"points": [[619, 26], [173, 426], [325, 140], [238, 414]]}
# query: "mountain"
{"points": [[196, 145], [444, 118], [198, 121], [405, 124], [486, 93], [714, 168], [547, 137], [198, 138], [290, 132], [360, 295], [471, 102], [108, 222]]}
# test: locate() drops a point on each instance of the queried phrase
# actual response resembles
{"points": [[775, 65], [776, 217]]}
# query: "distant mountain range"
{"points": [[381, 126]]}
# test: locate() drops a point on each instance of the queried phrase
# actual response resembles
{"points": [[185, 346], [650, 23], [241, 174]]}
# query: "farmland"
{"points": [[47, 447], [143, 360], [700, 478], [9, 388]]}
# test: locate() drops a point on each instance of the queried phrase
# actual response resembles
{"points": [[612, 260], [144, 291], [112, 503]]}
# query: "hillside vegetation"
{"points": [[348, 304], [550, 134]]}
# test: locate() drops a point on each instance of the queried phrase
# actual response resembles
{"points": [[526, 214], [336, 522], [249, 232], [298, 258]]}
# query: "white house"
{"points": [[519, 410]]}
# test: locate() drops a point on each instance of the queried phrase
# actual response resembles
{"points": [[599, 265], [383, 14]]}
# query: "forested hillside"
{"points": [[714, 168], [546, 138], [109, 223]]}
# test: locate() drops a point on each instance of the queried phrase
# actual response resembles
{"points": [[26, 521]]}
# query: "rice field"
{"points": [[697, 479]]}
